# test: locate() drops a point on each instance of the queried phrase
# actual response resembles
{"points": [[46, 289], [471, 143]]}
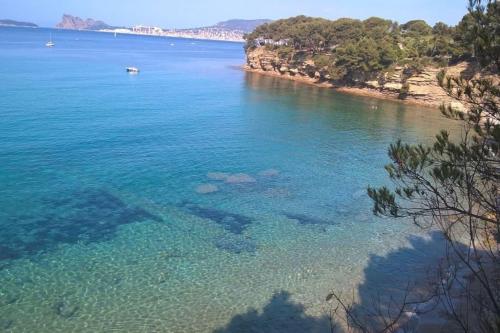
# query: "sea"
{"points": [[192, 196]]}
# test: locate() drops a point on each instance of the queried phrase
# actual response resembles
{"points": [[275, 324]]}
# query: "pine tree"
{"points": [[454, 185]]}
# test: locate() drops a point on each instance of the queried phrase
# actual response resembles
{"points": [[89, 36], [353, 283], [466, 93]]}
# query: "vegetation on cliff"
{"points": [[353, 50], [452, 186]]}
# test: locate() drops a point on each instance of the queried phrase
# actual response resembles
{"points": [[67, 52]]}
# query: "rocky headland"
{"points": [[374, 57], [76, 23], [401, 84]]}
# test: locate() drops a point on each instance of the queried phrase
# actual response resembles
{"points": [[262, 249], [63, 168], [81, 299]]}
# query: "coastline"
{"points": [[236, 41], [241, 41], [357, 91]]}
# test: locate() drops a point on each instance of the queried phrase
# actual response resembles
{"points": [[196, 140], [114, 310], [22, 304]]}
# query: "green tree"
{"points": [[479, 32], [358, 59], [417, 27], [441, 29], [443, 44], [454, 185]]}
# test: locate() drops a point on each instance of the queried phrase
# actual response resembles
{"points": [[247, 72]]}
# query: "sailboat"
{"points": [[50, 43]]}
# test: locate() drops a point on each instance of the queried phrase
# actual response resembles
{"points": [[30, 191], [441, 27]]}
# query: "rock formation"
{"points": [[416, 87], [75, 23]]}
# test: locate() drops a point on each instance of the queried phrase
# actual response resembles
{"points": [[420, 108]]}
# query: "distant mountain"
{"points": [[12, 23], [245, 26], [75, 23]]}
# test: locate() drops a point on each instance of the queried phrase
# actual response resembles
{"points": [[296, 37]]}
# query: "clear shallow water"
{"points": [[106, 223]]}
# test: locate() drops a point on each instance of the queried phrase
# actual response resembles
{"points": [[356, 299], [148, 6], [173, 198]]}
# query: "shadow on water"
{"points": [[90, 215], [386, 278], [410, 271], [391, 273], [281, 315]]}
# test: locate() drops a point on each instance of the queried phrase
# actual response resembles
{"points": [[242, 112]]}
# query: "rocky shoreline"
{"points": [[418, 89]]}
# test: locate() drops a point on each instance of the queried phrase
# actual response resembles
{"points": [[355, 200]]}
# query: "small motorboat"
{"points": [[134, 70], [50, 43]]}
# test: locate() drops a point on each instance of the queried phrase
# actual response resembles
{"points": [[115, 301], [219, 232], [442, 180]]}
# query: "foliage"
{"points": [[359, 50], [285, 52], [454, 185], [417, 28], [479, 32], [322, 60]]}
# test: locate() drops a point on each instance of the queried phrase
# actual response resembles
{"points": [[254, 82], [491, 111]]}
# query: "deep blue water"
{"points": [[175, 199]]}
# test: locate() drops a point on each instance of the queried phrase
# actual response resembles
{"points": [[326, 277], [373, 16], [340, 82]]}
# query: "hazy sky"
{"points": [[191, 13]]}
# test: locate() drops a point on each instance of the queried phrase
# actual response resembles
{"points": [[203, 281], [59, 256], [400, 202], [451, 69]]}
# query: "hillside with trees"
{"points": [[351, 50]]}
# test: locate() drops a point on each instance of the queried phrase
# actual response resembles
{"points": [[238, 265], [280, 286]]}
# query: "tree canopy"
{"points": [[358, 49]]}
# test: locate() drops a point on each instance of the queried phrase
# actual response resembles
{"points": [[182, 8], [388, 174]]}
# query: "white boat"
{"points": [[132, 70], [50, 43]]}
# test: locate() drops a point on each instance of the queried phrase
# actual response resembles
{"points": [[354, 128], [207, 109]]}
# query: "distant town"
{"points": [[211, 33], [232, 30]]}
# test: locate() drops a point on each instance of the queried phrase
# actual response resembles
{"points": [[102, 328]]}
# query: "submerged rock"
{"points": [[240, 178], [89, 215], [269, 173], [162, 278], [206, 188], [65, 309], [232, 222], [217, 175], [308, 220], [6, 324], [235, 245], [8, 298]]}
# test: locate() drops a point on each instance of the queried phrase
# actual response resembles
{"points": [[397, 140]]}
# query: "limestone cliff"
{"points": [[76, 23], [400, 83]]}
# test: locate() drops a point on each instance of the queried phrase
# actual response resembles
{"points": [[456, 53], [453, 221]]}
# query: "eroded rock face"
{"points": [[400, 83], [262, 59], [76, 23]]}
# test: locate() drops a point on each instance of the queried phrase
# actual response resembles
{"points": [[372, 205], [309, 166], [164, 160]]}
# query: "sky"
{"points": [[196, 13]]}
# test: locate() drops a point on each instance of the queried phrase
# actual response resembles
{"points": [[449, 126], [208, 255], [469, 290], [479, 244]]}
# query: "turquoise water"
{"points": [[179, 198]]}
